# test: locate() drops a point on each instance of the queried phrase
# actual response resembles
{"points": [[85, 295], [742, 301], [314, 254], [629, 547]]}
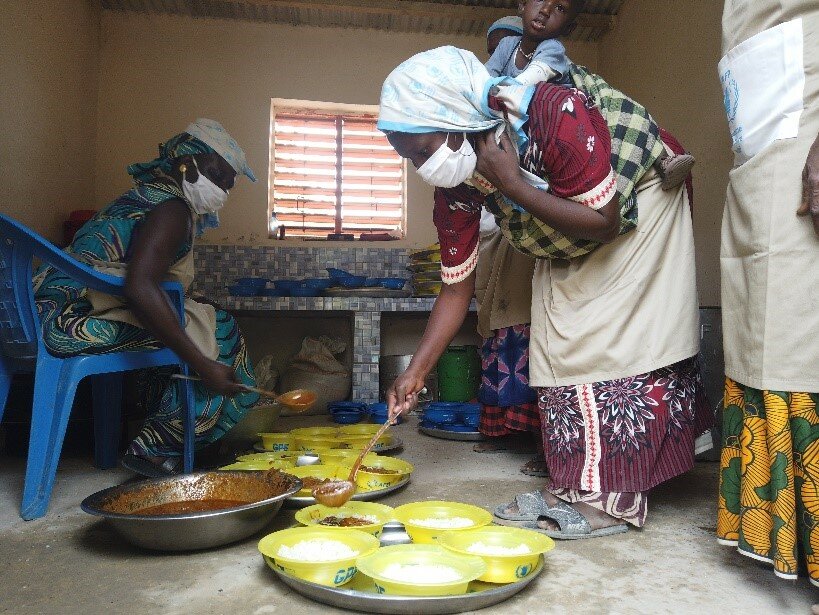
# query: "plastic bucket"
{"points": [[459, 373]]}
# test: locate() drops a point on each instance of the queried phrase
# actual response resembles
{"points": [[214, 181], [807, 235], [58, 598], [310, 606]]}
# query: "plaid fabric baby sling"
{"points": [[635, 144]]}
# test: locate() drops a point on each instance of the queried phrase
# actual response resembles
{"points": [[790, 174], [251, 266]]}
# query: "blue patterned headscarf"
{"points": [[153, 175], [447, 89]]}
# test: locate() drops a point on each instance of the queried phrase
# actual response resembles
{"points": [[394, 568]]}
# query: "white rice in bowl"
{"points": [[449, 523], [479, 548], [424, 574], [317, 550]]}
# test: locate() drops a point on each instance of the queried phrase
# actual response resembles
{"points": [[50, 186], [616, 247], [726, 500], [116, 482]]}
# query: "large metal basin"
{"points": [[198, 530]]}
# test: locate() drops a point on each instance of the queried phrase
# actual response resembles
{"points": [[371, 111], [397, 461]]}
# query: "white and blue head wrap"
{"points": [[447, 90], [513, 23]]}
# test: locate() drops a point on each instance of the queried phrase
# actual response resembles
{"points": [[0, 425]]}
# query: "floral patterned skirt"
{"points": [[769, 478], [507, 401], [628, 434]]}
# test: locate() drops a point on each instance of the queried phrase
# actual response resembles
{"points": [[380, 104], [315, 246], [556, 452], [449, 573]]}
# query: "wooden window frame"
{"points": [[324, 110]]}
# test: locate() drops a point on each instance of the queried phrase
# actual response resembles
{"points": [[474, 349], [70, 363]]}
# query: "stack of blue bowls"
{"points": [[348, 412], [379, 413], [452, 416]]}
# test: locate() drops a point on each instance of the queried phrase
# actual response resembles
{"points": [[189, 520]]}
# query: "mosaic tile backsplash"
{"points": [[217, 266]]}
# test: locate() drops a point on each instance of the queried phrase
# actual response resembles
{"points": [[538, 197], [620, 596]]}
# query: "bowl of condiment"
{"points": [[314, 475], [420, 570], [368, 517], [510, 553], [193, 511], [318, 554], [381, 473], [425, 522]]}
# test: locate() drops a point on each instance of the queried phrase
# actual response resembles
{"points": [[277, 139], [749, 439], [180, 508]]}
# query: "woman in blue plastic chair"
{"points": [[147, 236]]}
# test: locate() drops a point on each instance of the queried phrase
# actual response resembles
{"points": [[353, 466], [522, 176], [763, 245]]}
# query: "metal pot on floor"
{"points": [[392, 366]]}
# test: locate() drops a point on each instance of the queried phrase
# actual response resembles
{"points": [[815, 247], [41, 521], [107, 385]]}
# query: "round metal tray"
{"points": [[364, 496], [396, 444], [360, 595], [466, 436]]}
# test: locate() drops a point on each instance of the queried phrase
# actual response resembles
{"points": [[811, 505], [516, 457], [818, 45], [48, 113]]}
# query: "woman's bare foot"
{"points": [[514, 444], [597, 518]]}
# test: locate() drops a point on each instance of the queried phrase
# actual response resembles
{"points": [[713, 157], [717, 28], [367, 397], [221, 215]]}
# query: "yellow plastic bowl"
{"points": [[469, 568], [438, 510], [288, 455], [319, 471], [311, 515], [360, 429], [345, 456], [276, 442], [333, 573], [260, 464], [314, 431], [359, 441], [371, 481], [501, 568]]}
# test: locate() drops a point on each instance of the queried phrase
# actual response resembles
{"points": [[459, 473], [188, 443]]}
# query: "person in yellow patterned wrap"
{"points": [[769, 478]]}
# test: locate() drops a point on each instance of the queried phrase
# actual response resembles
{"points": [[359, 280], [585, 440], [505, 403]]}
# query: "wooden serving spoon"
{"points": [[298, 400], [337, 493]]}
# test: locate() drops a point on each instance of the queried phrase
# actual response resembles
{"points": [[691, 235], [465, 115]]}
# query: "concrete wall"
{"points": [[664, 53], [48, 97], [159, 72]]}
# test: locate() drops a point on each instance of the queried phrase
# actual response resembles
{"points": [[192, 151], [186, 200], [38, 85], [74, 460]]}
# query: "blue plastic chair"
{"points": [[55, 379]]}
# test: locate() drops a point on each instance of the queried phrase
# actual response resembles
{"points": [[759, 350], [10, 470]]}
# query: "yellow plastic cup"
{"points": [[331, 573], [276, 442], [318, 471], [312, 515], [410, 514], [373, 481], [468, 568], [501, 568]]}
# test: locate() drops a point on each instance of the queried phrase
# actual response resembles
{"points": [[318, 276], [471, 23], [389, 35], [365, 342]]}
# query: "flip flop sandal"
{"points": [[529, 468], [530, 507], [144, 467], [573, 525], [676, 169]]}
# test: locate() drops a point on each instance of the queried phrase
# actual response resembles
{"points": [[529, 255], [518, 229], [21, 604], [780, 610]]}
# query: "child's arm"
{"points": [[549, 63], [536, 72]]}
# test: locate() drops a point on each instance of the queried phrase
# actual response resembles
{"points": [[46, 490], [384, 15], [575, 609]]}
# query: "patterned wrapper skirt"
{"points": [[624, 435], [508, 404], [769, 479]]}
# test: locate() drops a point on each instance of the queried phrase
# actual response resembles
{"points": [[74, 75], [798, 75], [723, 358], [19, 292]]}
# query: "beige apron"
{"points": [[503, 285], [200, 318], [769, 256], [627, 308]]}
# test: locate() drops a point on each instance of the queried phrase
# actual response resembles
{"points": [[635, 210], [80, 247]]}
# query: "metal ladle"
{"points": [[337, 493]]}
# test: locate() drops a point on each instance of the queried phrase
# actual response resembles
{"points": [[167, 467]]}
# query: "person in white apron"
{"points": [[147, 236], [769, 479], [614, 333]]}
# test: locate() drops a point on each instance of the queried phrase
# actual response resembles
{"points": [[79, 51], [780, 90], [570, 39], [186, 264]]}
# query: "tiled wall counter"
{"points": [[366, 313]]}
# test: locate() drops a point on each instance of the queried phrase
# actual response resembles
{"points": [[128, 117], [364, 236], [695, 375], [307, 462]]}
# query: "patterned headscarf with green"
{"points": [[158, 186]]}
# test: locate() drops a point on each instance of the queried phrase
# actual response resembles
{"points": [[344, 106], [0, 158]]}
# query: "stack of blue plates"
{"points": [[452, 416], [348, 412], [379, 413]]}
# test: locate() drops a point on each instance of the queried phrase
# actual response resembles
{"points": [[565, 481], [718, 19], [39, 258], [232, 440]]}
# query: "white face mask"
{"points": [[205, 196], [447, 168]]}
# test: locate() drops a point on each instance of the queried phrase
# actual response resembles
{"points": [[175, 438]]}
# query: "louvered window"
{"points": [[334, 173]]}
